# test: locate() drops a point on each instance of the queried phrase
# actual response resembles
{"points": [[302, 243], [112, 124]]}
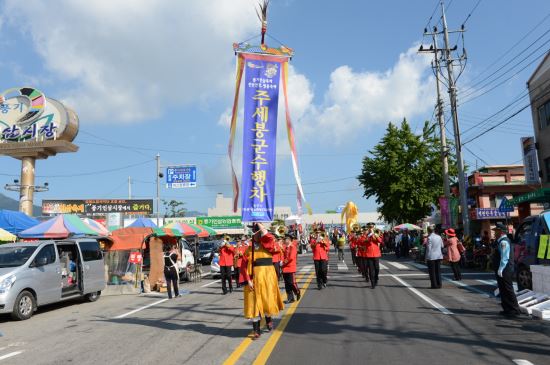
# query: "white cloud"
{"points": [[127, 53], [358, 100]]}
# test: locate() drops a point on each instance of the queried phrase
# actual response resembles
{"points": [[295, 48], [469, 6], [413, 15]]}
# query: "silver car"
{"points": [[43, 272]]}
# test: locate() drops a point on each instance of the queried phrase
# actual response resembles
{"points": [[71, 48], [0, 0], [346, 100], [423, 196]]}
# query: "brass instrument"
{"points": [[356, 227], [226, 240], [281, 230]]}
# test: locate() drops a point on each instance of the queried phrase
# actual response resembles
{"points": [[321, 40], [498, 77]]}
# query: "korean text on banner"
{"points": [[259, 141]]}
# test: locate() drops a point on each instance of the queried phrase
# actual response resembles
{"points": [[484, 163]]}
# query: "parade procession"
{"points": [[241, 182]]}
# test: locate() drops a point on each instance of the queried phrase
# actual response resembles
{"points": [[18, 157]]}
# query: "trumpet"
{"points": [[226, 239]]}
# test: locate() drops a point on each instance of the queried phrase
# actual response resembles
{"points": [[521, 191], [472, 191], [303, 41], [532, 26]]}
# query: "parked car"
{"points": [[207, 250], [187, 260], [526, 246], [36, 273]]}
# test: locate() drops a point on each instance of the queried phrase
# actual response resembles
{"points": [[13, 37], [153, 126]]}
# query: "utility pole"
{"points": [[158, 189], [458, 146], [440, 115], [129, 187]]}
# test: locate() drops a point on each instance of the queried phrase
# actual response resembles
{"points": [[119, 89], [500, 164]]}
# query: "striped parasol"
{"points": [[96, 226], [408, 226], [62, 226], [184, 228]]}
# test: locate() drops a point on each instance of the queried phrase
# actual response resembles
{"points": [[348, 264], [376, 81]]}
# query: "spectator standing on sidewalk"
{"points": [[454, 251], [434, 255], [502, 264], [171, 271]]}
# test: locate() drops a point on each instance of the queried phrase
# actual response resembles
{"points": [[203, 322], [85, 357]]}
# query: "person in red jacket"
{"points": [[373, 254], [289, 269], [227, 251], [361, 258], [353, 247], [238, 258], [278, 256], [320, 245]]}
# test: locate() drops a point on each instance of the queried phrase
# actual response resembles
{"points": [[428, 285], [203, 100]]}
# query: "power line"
{"points": [[89, 173], [471, 12], [471, 90], [502, 56], [506, 119]]}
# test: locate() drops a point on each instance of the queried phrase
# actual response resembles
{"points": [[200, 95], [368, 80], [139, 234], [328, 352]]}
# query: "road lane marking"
{"points": [[306, 268], [11, 354], [240, 350], [342, 266], [142, 308], [383, 267], [266, 351], [488, 282], [428, 300], [399, 266], [522, 362], [401, 275], [417, 265], [212, 282], [467, 287]]}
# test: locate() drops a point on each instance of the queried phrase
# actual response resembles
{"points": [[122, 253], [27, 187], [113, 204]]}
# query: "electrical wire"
{"points": [[471, 12]]}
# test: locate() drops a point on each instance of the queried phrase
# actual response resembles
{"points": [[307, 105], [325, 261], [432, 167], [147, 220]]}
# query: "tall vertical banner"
{"points": [[530, 162], [444, 212], [261, 101], [264, 69]]}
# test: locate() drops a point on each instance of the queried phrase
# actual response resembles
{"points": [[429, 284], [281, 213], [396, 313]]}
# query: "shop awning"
{"points": [[537, 196], [131, 238]]}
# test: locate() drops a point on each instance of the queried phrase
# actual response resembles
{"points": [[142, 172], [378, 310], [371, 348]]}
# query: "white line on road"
{"points": [[522, 362], [464, 285], [399, 266], [488, 282], [400, 275], [342, 266], [11, 354], [306, 268], [213, 282], [417, 265], [142, 308], [428, 300], [383, 267]]}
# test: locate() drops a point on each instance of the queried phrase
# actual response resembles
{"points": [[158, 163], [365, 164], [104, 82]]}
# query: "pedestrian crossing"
{"points": [[398, 265]]}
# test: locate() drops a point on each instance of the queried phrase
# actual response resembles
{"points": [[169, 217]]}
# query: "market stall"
{"points": [[6, 236], [62, 226], [137, 250], [15, 222]]}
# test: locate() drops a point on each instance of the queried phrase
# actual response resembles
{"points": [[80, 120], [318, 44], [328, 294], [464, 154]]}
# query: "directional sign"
{"points": [[181, 177], [505, 206]]}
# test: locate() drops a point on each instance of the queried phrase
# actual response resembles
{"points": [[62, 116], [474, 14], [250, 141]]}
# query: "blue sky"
{"points": [[159, 78]]}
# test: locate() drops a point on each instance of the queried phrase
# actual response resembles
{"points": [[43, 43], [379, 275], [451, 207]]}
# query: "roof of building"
{"points": [[539, 67]]}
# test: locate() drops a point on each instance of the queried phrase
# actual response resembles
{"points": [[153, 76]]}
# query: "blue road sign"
{"points": [[181, 177], [505, 206]]}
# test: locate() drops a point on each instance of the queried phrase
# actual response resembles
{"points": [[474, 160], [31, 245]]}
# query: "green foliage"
{"points": [[174, 208], [404, 173]]}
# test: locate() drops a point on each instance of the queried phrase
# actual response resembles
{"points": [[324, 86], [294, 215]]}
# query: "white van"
{"points": [[43, 272]]}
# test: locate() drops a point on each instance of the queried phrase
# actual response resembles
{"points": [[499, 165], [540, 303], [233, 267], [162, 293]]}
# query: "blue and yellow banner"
{"points": [[261, 92]]}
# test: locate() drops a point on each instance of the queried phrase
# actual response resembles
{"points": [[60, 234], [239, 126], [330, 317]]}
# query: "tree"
{"points": [[173, 208], [404, 173]]}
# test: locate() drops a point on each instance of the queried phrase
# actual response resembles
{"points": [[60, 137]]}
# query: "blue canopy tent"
{"points": [[143, 222], [15, 222]]}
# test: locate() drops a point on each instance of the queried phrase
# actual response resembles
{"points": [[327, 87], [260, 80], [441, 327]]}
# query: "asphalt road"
{"points": [[345, 323]]}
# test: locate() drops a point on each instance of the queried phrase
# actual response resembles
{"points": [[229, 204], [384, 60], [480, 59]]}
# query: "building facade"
{"points": [[539, 94], [489, 186], [224, 207]]}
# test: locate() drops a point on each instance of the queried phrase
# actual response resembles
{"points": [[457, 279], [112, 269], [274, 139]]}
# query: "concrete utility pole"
{"points": [[129, 187], [158, 189], [458, 146], [440, 115]]}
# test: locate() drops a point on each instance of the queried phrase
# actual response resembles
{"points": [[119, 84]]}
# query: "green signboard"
{"points": [[221, 222]]}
